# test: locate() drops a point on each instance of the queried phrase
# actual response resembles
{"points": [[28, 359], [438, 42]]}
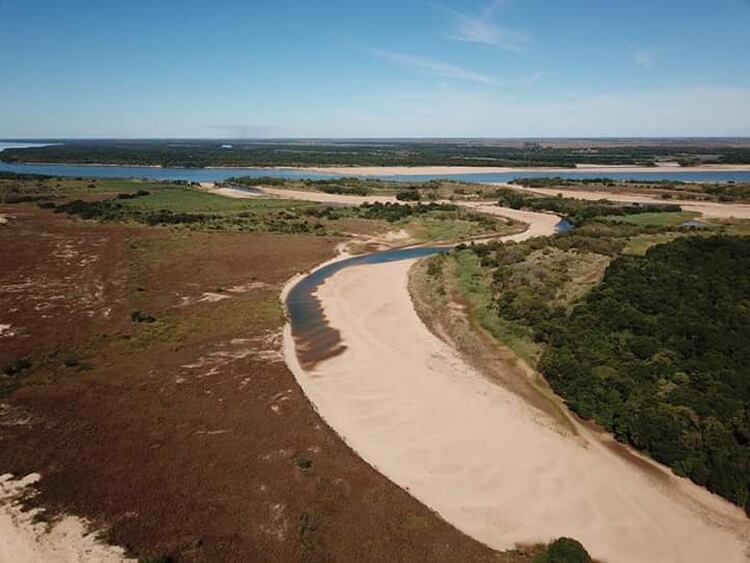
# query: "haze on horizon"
{"points": [[491, 68]]}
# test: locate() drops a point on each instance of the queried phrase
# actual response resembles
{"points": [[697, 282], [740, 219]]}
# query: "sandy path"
{"points": [[65, 541], [707, 208], [487, 462]]}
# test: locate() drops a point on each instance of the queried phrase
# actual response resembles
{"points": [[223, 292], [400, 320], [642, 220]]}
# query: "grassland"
{"points": [[182, 206]]}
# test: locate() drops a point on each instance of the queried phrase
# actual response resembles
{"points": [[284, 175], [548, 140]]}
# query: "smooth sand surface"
{"points": [[67, 540], [707, 208], [491, 465], [445, 170]]}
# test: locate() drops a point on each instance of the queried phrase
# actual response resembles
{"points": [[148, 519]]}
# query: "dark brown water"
{"points": [[316, 340]]}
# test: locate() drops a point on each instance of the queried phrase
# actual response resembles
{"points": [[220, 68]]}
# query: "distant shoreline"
{"points": [[427, 170]]}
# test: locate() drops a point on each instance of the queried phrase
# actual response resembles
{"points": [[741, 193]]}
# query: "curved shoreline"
{"points": [[405, 412]]}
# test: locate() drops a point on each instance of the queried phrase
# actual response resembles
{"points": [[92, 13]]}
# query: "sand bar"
{"points": [[447, 170], [491, 465], [707, 208]]}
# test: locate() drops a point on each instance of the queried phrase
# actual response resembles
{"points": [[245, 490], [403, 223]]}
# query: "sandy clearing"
{"points": [[26, 541], [491, 465], [301, 195], [446, 170], [707, 208]]}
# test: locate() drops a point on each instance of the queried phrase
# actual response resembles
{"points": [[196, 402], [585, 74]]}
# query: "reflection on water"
{"points": [[315, 339]]}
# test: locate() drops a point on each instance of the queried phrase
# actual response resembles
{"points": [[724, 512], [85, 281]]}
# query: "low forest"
{"points": [[654, 349], [376, 152]]}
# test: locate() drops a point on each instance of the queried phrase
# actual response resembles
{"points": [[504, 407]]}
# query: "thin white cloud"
{"points": [[644, 58], [475, 28], [530, 80], [439, 68], [681, 112]]}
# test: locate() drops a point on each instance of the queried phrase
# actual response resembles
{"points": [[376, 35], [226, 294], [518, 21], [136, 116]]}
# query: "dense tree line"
{"points": [[658, 354], [391, 212], [362, 153]]}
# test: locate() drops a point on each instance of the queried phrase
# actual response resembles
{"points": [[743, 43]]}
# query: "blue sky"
{"points": [[338, 68]]}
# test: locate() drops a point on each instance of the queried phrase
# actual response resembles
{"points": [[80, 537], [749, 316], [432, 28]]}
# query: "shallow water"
{"points": [[316, 340]]}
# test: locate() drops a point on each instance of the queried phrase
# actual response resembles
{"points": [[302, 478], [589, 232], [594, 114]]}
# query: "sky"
{"points": [[390, 68]]}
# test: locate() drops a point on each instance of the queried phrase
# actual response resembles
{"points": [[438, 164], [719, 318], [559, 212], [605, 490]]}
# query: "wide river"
{"points": [[221, 174]]}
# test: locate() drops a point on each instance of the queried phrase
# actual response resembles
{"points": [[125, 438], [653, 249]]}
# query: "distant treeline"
{"points": [[196, 154]]}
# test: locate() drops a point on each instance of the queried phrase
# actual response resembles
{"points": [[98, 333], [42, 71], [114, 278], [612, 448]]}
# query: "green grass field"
{"points": [[475, 288], [179, 199]]}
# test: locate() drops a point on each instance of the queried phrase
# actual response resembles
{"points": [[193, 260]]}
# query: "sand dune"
{"points": [[490, 464]]}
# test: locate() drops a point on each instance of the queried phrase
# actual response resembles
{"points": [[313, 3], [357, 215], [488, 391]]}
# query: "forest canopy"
{"points": [[658, 353]]}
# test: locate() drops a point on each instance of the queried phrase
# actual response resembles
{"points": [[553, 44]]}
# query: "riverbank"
{"points": [[486, 461]]}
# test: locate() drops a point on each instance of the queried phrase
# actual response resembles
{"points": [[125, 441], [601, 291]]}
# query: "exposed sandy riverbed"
{"points": [[445, 170], [490, 464]]}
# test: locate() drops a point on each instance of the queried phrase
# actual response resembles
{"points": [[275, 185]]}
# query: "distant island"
{"points": [[479, 153]]}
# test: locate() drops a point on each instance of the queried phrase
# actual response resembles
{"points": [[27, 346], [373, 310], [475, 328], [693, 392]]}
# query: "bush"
{"points": [[141, 317], [408, 195], [17, 368], [564, 550]]}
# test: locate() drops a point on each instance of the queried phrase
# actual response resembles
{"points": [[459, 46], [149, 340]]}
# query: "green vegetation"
{"points": [[639, 325], [180, 205], [658, 354], [658, 219], [373, 153], [476, 288], [564, 550], [575, 210], [11, 376]]}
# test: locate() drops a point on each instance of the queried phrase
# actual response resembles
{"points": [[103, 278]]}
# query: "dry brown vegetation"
{"points": [[185, 436]]}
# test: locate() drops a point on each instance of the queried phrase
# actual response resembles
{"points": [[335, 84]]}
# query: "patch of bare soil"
{"points": [[186, 436]]}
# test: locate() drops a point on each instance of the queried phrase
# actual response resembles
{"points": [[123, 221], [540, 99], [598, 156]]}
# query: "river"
{"points": [[221, 174]]}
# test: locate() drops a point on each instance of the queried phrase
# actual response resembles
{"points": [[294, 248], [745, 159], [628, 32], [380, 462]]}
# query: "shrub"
{"points": [[564, 550], [141, 317], [408, 195]]}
